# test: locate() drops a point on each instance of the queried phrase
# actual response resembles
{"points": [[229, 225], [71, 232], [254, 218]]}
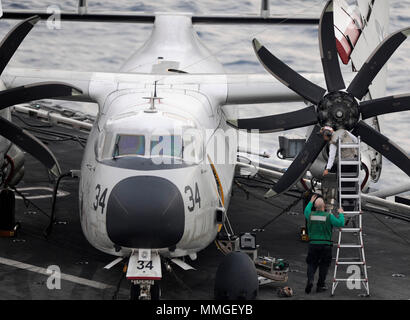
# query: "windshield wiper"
{"points": [[116, 151]]}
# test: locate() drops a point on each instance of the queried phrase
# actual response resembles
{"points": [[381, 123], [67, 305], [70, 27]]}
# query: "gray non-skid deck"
{"points": [[387, 253]]}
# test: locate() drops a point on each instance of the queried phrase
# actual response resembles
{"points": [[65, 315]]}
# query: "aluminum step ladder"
{"points": [[350, 200]]}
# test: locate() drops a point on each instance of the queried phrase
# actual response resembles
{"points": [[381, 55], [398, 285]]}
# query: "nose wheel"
{"points": [[145, 290]]}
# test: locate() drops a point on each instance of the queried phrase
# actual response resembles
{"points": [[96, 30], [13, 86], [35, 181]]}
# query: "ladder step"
{"points": [[349, 196], [350, 246], [342, 179], [351, 262], [349, 229], [340, 280], [349, 162]]}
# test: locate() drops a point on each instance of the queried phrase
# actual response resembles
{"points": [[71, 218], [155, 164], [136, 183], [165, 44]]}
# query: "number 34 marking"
{"points": [[144, 265], [191, 199], [100, 198]]}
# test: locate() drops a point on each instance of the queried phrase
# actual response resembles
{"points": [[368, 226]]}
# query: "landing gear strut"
{"points": [[145, 290], [144, 272]]}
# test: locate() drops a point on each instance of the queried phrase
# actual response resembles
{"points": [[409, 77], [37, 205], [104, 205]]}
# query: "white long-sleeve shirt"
{"points": [[333, 146]]}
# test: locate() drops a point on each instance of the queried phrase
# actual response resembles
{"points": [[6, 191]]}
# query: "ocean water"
{"points": [[105, 47]]}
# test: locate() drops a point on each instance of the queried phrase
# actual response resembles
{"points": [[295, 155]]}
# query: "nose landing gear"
{"points": [[145, 290], [144, 272]]}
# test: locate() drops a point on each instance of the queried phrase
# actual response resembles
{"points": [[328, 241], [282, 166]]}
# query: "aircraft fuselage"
{"points": [[135, 195]]}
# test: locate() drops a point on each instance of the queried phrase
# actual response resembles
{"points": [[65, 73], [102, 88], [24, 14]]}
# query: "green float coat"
{"points": [[320, 225]]}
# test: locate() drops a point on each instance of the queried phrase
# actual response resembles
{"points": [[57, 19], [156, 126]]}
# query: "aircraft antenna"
{"points": [[82, 7], [265, 9], [152, 100]]}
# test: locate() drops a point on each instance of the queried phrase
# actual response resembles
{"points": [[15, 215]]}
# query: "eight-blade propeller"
{"points": [[44, 90], [337, 108]]}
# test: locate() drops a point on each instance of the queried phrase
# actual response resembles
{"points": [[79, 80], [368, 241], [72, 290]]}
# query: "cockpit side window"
{"points": [[107, 141], [192, 148], [168, 146], [129, 145]]}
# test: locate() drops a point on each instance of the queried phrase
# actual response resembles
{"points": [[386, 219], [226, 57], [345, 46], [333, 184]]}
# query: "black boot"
{"points": [[308, 287]]}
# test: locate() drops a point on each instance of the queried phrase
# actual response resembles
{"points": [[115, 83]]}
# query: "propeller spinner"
{"points": [[336, 107]]}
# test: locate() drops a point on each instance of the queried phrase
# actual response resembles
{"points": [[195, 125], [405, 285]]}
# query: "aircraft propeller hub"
{"points": [[338, 110]]}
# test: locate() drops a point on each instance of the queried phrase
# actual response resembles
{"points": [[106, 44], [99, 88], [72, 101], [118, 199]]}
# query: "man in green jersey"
{"points": [[320, 225]]}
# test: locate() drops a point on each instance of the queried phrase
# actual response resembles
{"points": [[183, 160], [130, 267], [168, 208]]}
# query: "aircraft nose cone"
{"points": [[145, 212]]}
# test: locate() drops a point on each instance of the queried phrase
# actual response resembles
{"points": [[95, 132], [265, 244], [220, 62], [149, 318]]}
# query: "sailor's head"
{"points": [[320, 204], [327, 133]]}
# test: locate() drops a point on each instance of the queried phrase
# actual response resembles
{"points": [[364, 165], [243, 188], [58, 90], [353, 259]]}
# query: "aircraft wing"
{"points": [[15, 77], [262, 88], [96, 86], [225, 88]]}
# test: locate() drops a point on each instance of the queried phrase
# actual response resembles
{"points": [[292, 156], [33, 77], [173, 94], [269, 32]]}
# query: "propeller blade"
{"points": [[328, 50], [36, 91], [383, 145], [361, 82], [373, 108], [301, 164], [280, 122], [288, 76], [30, 144], [13, 39]]}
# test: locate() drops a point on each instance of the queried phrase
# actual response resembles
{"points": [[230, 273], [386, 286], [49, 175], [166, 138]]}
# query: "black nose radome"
{"points": [[145, 212]]}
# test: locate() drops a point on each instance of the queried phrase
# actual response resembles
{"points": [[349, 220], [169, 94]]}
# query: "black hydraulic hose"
{"points": [[27, 202], [284, 210], [247, 192], [49, 228]]}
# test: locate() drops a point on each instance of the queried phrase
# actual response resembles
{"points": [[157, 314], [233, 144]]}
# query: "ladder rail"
{"points": [[355, 215]]}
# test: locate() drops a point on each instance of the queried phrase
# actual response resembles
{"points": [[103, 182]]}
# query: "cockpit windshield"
{"points": [[163, 148], [167, 145], [129, 145]]}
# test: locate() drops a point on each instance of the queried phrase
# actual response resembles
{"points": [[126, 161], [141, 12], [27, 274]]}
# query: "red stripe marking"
{"points": [[343, 46], [143, 278], [344, 49]]}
